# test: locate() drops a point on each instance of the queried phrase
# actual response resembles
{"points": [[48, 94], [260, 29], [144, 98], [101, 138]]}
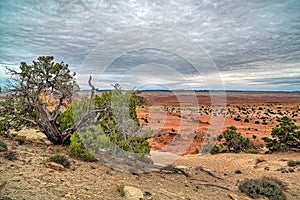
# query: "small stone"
{"points": [[147, 193], [68, 195], [55, 166], [132, 193], [16, 179]]}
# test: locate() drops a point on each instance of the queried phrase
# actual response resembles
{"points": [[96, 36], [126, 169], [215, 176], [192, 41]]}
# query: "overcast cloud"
{"points": [[255, 45]]}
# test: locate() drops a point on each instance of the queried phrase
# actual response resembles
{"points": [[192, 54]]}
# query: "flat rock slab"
{"points": [[55, 166]]}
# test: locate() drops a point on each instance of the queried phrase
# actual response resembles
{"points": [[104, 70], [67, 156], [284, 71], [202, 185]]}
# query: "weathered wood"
{"points": [[176, 170], [213, 185], [207, 172]]}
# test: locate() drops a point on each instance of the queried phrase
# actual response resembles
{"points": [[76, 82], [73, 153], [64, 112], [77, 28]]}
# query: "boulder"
{"points": [[132, 193], [55, 166]]}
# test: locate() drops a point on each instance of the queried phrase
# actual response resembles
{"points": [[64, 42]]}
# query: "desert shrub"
{"points": [[246, 120], [267, 168], [206, 148], [3, 146], [238, 171], [252, 151], [77, 149], [256, 188], [215, 150], [256, 122], [11, 155], [20, 140], [284, 137], [58, 149], [276, 181], [113, 131], [120, 189], [237, 119], [60, 159], [140, 101], [133, 139], [234, 141], [291, 170], [93, 167], [283, 170], [293, 163], [220, 137]]}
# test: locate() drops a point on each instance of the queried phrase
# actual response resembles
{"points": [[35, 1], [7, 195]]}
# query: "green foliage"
{"points": [[93, 167], [132, 109], [77, 149], [246, 120], [252, 151], [20, 140], [120, 189], [276, 181], [267, 187], [66, 119], [105, 134], [235, 141], [283, 170], [26, 104], [60, 159], [3, 146], [220, 137], [58, 149], [120, 127], [284, 137], [140, 101], [291, 170], [215, 150], [293, 163]]}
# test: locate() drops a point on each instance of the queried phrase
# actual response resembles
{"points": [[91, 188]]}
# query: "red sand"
{"points": [[181, 127]]}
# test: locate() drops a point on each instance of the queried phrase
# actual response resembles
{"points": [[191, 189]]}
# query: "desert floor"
{"points": [[212, 176]]}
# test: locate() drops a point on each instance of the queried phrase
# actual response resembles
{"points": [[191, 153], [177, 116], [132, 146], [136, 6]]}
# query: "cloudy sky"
{"points": [[171, 44]]}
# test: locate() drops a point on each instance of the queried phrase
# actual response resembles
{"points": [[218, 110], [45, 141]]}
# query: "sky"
{"points": [[172, 44]]}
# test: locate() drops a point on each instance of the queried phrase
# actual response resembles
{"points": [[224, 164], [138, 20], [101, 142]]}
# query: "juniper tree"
{"points": [[31, 86]]}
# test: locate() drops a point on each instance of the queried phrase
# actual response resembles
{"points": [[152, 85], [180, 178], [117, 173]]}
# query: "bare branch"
{"points": [[92, 93]]}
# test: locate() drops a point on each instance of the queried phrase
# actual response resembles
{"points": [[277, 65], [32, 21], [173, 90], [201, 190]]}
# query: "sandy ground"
{"points": [[29, 178]]}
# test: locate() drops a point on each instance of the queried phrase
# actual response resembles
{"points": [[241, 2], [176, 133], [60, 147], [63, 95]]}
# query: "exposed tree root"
{"points": [[208, 172], [213, 185]]}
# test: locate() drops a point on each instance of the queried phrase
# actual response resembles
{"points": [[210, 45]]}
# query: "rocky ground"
{"points": [[211, 176]]}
